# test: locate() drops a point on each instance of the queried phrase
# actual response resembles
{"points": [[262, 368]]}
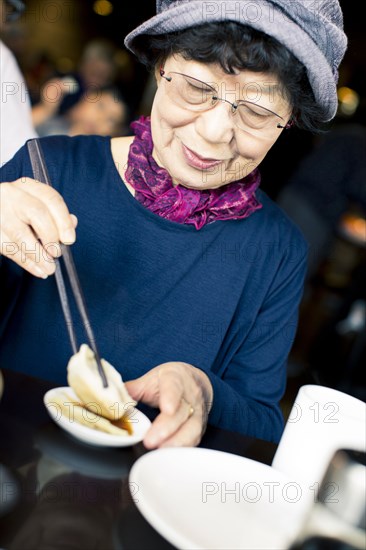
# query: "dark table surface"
{"points": [[59, 493]]}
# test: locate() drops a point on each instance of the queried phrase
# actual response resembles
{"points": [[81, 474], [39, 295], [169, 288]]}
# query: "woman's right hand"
{"points": [[34, 219]]}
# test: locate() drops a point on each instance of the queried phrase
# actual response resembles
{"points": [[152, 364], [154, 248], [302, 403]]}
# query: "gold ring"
{"points": [[191, 409]]}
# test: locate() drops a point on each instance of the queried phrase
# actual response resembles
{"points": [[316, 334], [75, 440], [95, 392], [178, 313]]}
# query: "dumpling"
{"points": [[77, 412], [112, 402]]}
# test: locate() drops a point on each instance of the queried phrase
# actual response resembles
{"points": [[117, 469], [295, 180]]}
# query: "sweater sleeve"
{"points": [[17, 167], [247, 395]]}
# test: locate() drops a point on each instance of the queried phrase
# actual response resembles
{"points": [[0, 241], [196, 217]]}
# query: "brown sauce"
{"points": [[123, 423]]}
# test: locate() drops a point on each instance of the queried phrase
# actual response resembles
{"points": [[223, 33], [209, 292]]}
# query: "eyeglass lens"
{"points": [[193, 94]]}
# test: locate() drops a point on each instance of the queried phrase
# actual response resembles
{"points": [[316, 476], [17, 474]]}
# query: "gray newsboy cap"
{"points": [[311, 29]]}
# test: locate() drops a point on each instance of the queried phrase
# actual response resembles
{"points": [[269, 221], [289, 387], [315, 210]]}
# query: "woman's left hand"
{"points": [[184, 396]]}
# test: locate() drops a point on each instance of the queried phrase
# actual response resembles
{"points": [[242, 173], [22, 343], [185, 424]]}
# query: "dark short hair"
{"points": [[241, 47]]}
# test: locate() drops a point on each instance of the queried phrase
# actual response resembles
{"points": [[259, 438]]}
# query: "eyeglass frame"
{"points": [[234, 105]]}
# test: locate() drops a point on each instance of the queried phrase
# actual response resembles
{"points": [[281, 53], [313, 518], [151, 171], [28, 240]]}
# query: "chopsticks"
{"points": [[40, 173]]}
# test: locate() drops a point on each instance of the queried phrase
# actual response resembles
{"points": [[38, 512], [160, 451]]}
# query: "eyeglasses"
{"points": [[195, 95]]}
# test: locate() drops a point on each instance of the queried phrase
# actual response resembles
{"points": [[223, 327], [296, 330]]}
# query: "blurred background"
{"points": [[76, 48]]}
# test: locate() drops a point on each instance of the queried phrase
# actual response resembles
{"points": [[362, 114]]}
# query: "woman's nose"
{"points": [[216, 125]]}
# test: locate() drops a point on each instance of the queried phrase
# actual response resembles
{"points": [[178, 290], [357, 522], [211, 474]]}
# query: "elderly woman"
{"points": [[192, 275]]}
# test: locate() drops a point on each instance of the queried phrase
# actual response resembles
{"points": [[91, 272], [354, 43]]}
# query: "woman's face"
{"points": [[206, 149]]}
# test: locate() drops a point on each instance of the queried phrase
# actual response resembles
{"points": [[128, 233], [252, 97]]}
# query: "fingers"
{"points": [[190, 409], [183, 428], [183, 393], [163, 387], [182, 419], [48, 204], [75, 221], [30, 255], [34, 219], [145, 388], [189, 434], [174, 384]]}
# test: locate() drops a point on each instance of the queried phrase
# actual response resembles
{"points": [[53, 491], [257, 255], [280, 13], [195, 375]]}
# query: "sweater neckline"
{"points": [[165, 223]]}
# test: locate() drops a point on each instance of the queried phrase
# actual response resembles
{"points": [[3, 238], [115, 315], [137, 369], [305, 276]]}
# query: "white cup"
{"points": [[322, 420]]}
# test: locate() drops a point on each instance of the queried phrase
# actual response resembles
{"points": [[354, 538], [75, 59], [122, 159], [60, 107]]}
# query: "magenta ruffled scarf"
{"points": [[155, 190]]}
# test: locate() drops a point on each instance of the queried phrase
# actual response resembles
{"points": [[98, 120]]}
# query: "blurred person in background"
{"points": [[103, 113], [85, 102], [97, 70], [15, 108]]}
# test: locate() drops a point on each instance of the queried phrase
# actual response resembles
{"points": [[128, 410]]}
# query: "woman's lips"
{"points": [[197, 161]]}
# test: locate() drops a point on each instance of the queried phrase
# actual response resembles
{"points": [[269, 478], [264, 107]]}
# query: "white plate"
{"points": [[139, 421], [199, 499]]}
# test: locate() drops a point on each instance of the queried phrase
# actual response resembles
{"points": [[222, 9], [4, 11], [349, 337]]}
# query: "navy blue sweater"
{"points": [[223, 299]]}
